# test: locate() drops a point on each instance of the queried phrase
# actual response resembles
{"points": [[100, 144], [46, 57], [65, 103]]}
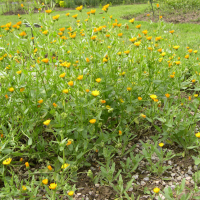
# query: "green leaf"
{"points": [[157, 128], [30, 141], [161, 119], [129, 109], [136, 120], [182, 186], [79, 155], [4, 129], [196, 160], [129, 184], [6, 151], [60, 159]]}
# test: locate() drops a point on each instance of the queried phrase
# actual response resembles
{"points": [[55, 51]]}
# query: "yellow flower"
{"points": [[138, 26], [132, 20], [158, 38], [65, 166], [45, 181], [22, 89], [11, 89], [70, 193], [149, 38], [75, 16], [163, 54], [87, 90], [49, 167], [176, 47], [62, 29], [153, 96], [92, 121], [21, 159], [105, 60], [68, 14], [80, 77], [142, 115], [22, 5], [24, 188], [120, 132], [167, 95], [178, 62], [66, 91], [95, 93], [129, 89], [27, 164], [196, 95], [19, 72], [55, 105], [197, 134], [52, 186], [103, 101], [79, 8], [70, 83], [195, 51], [137, 44], [47, 122], [108, 107], [156, 190], [93, 11], [98, 80], [161, 144], [187, 56], [94, 37], [62, 75], [139, 98], [48, 11], [145, 32], [23, 33], [127, 52], [69, 142], [45, 32], [190, 50], [133, 39], [56, 17], [193, 81], [40, 101], [7, 161], [120, 34], [45, 60]]}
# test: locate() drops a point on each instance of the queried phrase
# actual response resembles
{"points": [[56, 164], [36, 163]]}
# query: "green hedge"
{"points": [[74, 3], [182, 4]]}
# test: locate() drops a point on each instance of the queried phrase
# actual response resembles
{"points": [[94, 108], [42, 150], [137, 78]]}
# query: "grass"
{"points": [[187, 31]]}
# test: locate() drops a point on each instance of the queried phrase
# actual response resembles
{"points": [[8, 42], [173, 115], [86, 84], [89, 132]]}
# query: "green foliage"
{"points": [[67, 95], [182, 4]]}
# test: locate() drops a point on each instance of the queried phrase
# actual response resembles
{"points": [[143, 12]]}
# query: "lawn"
{"points": [[98, 105]]}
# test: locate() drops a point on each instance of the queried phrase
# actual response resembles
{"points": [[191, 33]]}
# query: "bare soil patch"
{"points": [[172, 16]]}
